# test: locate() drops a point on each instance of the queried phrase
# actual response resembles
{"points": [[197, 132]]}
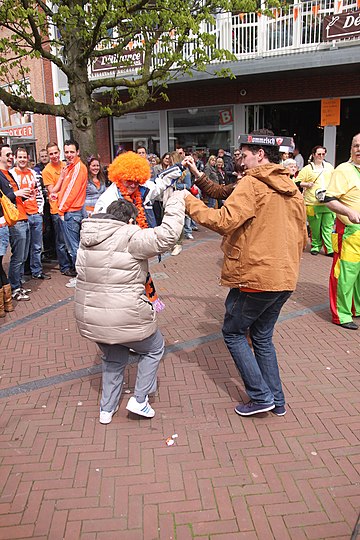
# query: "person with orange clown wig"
{"points": [[130, 177]]}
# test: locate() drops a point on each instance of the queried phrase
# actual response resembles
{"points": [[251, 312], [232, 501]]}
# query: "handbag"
{"points": [[11, 213]]}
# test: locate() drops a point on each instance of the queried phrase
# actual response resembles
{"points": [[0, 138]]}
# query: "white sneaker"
{"points": [[18, 295], [71, 284], [176, 250], [189, 237], [24, 291], [142, 409], [106, 417]]}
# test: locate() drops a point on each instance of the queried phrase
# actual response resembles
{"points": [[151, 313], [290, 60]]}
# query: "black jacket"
{"points": [[6, 188]]}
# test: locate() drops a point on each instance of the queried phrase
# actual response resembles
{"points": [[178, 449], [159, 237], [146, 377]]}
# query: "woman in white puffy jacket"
{"points": [[111, 306]]}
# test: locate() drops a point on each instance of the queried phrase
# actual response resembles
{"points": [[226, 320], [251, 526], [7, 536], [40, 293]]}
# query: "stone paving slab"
{"points": [[63, 475]]}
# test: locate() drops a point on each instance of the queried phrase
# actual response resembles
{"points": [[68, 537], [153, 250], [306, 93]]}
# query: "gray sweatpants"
{"points": [[115, 360]]}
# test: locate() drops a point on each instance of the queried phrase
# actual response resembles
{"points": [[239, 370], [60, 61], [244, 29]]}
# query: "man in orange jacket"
{"points": [[70, 191]]}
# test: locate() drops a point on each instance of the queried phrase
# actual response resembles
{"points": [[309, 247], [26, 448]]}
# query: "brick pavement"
{"points": [[65, 476]]}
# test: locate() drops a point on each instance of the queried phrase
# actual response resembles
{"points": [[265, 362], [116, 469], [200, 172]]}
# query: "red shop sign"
{"points": [[24, 131], [226, 117]]}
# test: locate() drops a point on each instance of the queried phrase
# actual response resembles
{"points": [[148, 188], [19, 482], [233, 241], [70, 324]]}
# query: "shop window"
{"points": [[205, 129], [138, 129]]}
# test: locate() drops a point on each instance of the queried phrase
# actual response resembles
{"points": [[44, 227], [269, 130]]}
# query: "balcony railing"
{"points": [[297, 28]]}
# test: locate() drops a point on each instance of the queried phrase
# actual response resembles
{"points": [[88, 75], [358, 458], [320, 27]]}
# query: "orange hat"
{"points": [[129, 166]]}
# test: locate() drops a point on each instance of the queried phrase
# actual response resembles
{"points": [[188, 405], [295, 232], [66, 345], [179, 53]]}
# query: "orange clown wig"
{"points": [[129, 166]]}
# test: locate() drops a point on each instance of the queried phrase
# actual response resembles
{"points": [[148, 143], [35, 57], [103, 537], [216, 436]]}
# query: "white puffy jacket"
{"points": [[112, 265]]}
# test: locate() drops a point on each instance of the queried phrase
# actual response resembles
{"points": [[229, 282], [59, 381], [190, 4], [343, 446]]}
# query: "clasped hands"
{"points": [[189, 163]]}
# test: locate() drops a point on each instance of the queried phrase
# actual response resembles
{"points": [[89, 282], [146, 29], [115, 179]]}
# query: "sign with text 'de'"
{"points": [[330, 112], [341, 25]]}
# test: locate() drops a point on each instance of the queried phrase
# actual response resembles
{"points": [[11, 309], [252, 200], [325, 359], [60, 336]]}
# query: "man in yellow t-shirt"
{"points": [[51, 175], [343, 197]]}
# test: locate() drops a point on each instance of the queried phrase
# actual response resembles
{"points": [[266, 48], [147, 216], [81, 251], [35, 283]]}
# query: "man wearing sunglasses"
{"points": [[6, 158], [314, 179]]}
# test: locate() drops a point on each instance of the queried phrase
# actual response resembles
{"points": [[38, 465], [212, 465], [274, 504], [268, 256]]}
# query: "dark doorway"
{"points": [[349, 126], [298, 120]]}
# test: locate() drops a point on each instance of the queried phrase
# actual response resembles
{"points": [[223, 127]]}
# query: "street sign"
{"points": [[330, 112]]}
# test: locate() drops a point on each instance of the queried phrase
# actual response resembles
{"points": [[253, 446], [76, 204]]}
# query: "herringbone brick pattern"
{"points": [[65, 476]]}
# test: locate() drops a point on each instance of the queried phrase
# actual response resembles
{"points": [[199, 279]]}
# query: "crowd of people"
{"points": [[106, 226]]}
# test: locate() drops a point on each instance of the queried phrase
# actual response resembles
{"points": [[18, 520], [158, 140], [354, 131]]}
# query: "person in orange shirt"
{"points": [[51, 174], [34, 205], [18, 233], [70, 191]]}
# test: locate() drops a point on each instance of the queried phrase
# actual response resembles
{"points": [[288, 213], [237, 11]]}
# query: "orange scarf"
{"points": [[136, 200]]}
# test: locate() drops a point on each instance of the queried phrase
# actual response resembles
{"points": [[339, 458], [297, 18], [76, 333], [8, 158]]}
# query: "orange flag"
{"points": [[315, 9], [296, 13]]}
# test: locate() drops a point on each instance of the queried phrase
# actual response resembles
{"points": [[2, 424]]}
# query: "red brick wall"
{"points": [[275, 87], [49, 96], [296, 86]]}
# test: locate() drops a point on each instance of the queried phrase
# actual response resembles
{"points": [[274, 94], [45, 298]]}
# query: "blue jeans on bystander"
{"points": [[19, 242], [36, 241], [62, 254], [4, 239], [71, 229]]}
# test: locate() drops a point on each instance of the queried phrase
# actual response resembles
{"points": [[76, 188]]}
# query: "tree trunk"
{"points": [[83, 113], [86, 137]]}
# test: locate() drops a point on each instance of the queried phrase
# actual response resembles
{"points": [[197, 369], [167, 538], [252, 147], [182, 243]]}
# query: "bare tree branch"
{"points": [[29, 104]]}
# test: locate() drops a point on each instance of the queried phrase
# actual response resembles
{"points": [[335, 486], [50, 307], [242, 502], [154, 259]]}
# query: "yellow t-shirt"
{"points": [[321, 179], [345, 186]]}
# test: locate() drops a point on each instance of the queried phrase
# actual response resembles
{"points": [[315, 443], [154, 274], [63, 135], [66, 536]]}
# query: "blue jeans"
{"points": [[19, 242], [187, 226], [211, 202], [256, 313], [71, 230], [60, 246], [4, 240], [36, 237]]}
